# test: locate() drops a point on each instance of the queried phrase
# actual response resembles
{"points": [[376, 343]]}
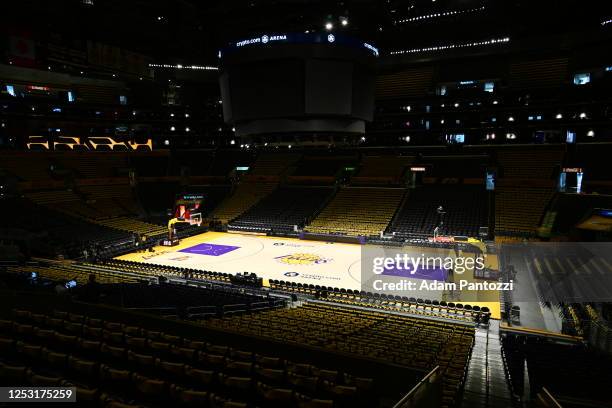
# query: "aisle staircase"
{"points": [[486, 385]]}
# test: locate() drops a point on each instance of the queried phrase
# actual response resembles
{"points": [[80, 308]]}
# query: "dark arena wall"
{"points": [[300, 83]]}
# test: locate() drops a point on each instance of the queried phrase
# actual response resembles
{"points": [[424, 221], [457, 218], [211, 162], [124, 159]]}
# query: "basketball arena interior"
{"points": [[306, 204]]}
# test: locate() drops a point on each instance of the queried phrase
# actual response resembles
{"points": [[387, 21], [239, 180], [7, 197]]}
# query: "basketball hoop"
{"points": [[196, 219]]}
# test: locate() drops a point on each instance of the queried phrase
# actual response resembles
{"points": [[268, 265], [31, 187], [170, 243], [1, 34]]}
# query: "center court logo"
{"points": [[302, 259]]}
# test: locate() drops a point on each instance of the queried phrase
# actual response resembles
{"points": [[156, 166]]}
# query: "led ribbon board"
{"points": [[299, 38]]}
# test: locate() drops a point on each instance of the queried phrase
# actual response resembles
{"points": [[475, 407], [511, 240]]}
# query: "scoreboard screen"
{"points": [[187, 204]]}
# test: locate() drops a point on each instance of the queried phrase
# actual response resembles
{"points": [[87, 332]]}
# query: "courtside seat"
{"points": [[201, 377], [303, 401], [130, 367], [13, 375], [151, 390], [184, 353], [212, 361], [7, 345], [109, 403], [217, 401], [275, 397], [118, 353], [236, 385], [163, 349], [191, 398], [176, 370], [303, 383], [92, 332], [115, 377], [53, 359], [136, 343], [142, 361], [85, 368], [44, 381], [270, 375]]}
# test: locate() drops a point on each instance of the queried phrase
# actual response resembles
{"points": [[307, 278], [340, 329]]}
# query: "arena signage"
{"points": [[264, 39], [301, 38], [371, 48], [38, 88], [193, 197], [85, 143]]}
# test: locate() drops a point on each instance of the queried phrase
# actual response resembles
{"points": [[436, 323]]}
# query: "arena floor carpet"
{"points": [[308, 262]]}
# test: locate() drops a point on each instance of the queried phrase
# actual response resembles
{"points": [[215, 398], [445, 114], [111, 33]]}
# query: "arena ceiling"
{"points": [[193, 30]]}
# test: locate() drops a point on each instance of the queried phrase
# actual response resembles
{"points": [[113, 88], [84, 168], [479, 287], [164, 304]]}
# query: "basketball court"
{"points": [[302, 261]]}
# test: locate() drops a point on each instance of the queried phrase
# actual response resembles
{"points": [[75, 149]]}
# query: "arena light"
{"points": [[232, 142], [172, 128], [432, 16], [329, 26], [559, 116], [591, 133], [344, 21], [583, 115], [606, 22], [493, 41]]}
